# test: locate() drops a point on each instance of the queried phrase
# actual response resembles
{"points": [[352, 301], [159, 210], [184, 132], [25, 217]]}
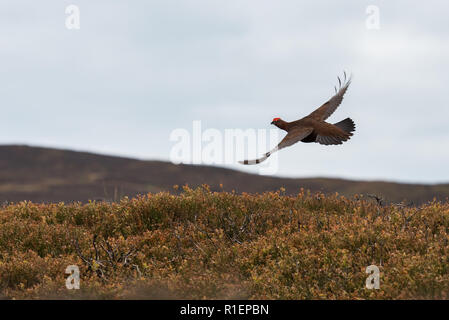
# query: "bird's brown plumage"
{"points": [[313, 127]]}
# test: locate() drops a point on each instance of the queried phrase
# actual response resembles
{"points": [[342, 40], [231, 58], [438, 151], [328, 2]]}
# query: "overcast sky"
{"points": [[136, 70]]}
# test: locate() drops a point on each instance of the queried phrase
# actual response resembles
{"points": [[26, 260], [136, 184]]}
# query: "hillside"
{"points": [[51, 175]]}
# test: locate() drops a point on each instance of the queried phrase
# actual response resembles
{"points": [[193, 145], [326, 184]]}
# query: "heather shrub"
{"points": [[202, 244]]}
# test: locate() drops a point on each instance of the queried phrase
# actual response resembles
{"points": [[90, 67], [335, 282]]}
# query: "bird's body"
{"points": [[314, 128]]}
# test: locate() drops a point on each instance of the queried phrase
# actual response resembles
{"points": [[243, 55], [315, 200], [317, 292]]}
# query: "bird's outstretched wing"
{"points": [[295, 135], [325, 111]]}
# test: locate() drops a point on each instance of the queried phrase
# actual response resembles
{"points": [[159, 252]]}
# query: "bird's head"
{"points": [[281, 124], [276, 121]]}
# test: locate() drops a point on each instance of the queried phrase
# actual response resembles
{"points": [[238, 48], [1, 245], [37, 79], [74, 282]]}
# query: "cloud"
{"points": [[135, 71]]}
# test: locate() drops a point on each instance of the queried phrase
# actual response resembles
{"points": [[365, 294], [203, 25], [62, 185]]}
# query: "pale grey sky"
{"points": [[136, 70]]}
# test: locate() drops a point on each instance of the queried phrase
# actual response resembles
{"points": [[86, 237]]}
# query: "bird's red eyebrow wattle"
{"points": [[276, 119]]}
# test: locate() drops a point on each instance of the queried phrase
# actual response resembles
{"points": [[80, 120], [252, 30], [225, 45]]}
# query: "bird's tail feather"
{"points": [[346, 125]]}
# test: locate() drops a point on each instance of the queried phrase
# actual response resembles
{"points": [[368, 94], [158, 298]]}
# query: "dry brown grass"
{"points": [[204, 244]]}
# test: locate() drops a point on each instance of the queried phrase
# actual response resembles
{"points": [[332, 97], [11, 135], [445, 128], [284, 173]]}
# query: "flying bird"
{"points": [[314, 128]]}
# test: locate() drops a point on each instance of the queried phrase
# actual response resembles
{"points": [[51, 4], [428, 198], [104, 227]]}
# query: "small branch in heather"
{"points": [[100, 263], [379, 199]]}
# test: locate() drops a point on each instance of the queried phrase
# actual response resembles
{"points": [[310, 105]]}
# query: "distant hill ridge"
{"points": [[53, 175]]}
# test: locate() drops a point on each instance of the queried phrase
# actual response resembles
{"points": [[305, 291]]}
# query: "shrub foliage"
{"points": [[219, 245]]}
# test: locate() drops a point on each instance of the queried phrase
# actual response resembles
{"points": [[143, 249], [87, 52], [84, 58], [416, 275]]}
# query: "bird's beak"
{"points": [[272, 122]]}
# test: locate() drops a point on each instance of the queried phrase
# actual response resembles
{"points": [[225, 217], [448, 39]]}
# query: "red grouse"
{"points": [[314, 128]]}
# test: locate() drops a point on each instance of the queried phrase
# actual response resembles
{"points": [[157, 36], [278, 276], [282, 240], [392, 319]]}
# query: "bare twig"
{"points": [[101, 266], [379, 199]]}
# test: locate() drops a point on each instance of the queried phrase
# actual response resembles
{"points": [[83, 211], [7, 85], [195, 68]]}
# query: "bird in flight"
{"points": [[314, 128]]}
